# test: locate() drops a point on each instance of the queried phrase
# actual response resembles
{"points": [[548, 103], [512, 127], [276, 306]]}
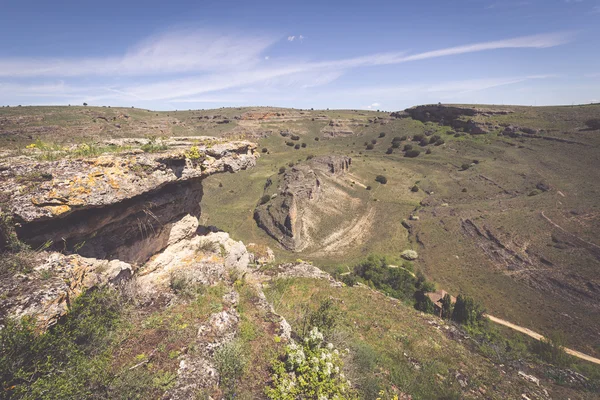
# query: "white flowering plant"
{"points": [[310, 370]]}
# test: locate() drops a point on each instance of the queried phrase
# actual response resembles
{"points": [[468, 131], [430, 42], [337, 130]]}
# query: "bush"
{"points": [[65, 362], [465, 166], [297, 147], [552, 350], [382, 134], [309, 371], [415, 188], [265, 150], [389, 150], [295, 137], [230, 361], [428, 151], [423, 142], [374, 141], [439, 142], [303, 145], [395, 145], [368, 188], [325, 318], [467, 311], [408, 147], [381, 179], [316, 139], [593, 123], [412, 153], [433, 139], [370, 147], [281, 170], [289, 144], [265, 199], [418, 137]]}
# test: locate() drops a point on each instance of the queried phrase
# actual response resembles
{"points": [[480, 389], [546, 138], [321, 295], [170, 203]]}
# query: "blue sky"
{"points": [[385, 55]]}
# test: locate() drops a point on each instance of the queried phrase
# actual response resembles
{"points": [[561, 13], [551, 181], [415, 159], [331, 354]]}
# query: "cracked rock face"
{"points": [[115, 206]]}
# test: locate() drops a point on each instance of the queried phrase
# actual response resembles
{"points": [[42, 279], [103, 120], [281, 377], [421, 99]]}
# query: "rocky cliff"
{"points": [[283, 216], [118, 205]]}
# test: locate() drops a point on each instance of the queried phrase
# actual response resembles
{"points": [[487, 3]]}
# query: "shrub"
{"points": [[465, 166], [289, 144], [325, 318], [382, 134], [374, 141], [193, 153], [439, 142], [368, 187], [395, 145], [264, 150], [67, 360], [428, 151], [467, 311], [433, 139], [281, 170], [309, 371], [552, 350], [412, 153], [389, 150], [297, 147], [230, 361], [593, 123], [418, 137], [295, 137], [309, 157], [423, 142], [303, 145], [381, 179], [398, 139], [370, 146], [408, 147], [316, 139], [265, 199], [415, 188], [153, 147]]}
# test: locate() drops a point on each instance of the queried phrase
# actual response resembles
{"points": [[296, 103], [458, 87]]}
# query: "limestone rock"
{"points": [[409, 255]]}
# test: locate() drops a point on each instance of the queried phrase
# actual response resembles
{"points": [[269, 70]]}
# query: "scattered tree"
{"points": [[381, 179], [412, 153]]}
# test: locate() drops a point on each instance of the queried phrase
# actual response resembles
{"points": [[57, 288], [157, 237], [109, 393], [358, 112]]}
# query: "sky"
{"points": [[388, 55]]}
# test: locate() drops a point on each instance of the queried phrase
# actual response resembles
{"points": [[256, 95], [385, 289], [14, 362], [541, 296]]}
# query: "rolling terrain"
{"points": [[501, 203]]}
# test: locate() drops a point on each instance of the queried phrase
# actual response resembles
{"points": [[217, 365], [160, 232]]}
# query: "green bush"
{"points": [[309, 371], [370, 146], [552, 350], [467, 311], [303, 145], [415, 188], [412, 153], [297, 147], [295, 137], [69, 360], [281, 170], [395, 145], [325, 318], [465, 166], [390, 150], [265, 150], [381, 179], [265, 199], [369, 187], [230, 362], [428, 151], [407, 147], [418, 137], [593, 123], [382, 134]]}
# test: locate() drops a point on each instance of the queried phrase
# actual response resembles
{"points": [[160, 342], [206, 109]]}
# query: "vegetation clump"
{"points": [[381, 179], [309, 370], [412, 153]]}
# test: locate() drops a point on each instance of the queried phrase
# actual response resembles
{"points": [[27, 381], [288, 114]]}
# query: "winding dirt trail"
{"points": [[537, 336]]}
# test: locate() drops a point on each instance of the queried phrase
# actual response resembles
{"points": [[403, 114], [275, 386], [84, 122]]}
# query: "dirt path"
{"points": [[537, 336]]}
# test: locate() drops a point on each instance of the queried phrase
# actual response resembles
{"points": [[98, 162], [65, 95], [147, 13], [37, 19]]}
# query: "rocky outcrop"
{"points": [[454, 116], [117, 205], [281, 216], [336, 128]]}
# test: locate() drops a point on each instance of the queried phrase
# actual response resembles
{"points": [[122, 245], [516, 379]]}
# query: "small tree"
{"points": [[265, 199], [370, 146], [408, 147], [593, 123], [264, 150], [85, 104], [389, 150], [281, 170], [447, 306], [381, 179], [415, 188], [412, 153], [382, 134]]}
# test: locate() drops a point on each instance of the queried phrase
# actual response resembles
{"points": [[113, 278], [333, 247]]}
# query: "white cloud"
{"points": [[372, 106], [174, 52], [291, 38], [213, 63]]}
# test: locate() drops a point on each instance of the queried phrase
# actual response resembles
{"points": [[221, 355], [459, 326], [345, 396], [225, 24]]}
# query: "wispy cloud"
{"points": [[201, 66], [173, 52]]}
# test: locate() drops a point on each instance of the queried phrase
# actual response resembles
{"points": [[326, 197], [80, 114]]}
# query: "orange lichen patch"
{"points": [[58, 210]]}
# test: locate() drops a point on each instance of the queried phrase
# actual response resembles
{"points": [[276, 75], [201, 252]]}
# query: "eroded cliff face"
{"points": [[115, 206], [283, 217]]}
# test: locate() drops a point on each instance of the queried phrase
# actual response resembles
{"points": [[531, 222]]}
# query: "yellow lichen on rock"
{"points": [[58, 210]]}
